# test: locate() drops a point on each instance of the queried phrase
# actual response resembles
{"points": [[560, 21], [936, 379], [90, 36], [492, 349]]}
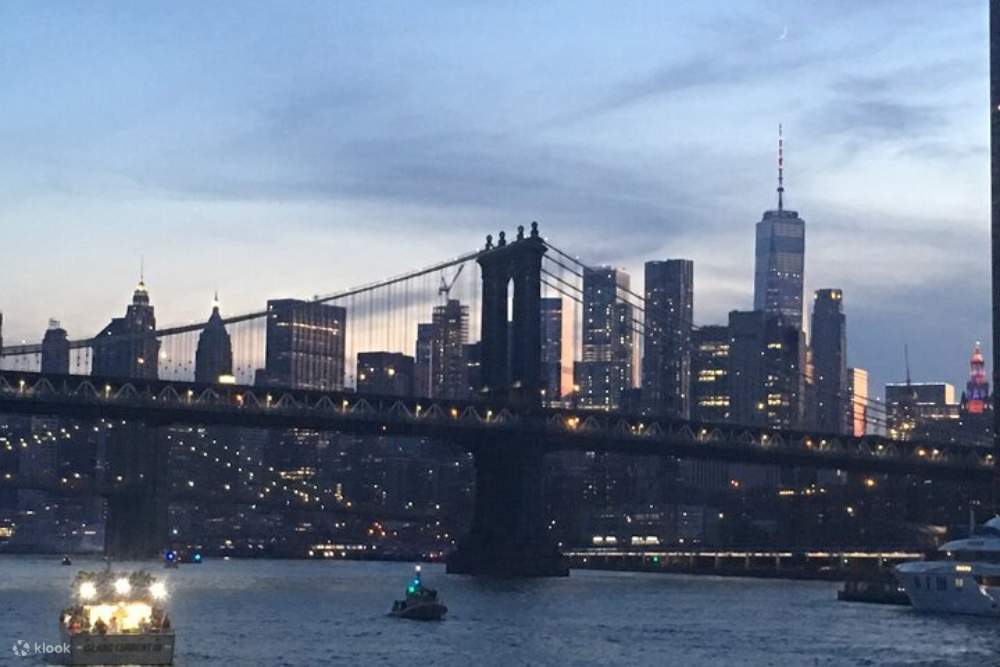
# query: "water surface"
{"points": [[260, 612]]}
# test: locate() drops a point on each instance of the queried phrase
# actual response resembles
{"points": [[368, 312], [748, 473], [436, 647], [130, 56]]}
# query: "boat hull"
{"points": [[432, 611], [138, 649], [937, 587]]}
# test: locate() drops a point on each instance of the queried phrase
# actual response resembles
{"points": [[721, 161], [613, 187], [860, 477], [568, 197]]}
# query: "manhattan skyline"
{"points": [[201, 142]]}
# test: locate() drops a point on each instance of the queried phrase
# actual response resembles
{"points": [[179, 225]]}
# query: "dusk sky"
{"points": [[290, 149]]}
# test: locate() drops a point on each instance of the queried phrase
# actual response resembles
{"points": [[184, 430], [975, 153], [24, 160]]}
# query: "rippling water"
{"points": [[310, 612]]}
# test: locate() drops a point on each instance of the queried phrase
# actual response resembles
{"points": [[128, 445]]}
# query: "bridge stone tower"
{"points": [[508, 535], [511, 361]]}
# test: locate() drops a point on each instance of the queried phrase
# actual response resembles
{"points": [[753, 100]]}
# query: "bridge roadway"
{"points": [[472, 425]]}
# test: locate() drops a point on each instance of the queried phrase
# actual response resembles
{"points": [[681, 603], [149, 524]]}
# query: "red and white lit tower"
{"points": [[976, 397]]}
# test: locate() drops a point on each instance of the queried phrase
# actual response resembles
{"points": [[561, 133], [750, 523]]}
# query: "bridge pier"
{"points": [[508, 535], [135, 465]]}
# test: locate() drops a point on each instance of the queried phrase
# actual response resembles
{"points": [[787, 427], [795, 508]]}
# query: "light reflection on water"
{"points": [[309, 612]]}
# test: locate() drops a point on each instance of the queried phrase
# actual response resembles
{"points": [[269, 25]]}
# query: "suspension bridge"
{"points": [[466, 351]]}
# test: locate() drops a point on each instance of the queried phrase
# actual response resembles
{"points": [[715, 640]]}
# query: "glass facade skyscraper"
{"points": [[780, 258], [604, 374], [829, 349], [666, 361]]}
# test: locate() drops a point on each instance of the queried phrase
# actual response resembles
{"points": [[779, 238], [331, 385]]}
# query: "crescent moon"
{"points": [[784, 33]]}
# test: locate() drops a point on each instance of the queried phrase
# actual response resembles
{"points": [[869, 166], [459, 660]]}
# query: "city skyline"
{"points": [[899, 175]]}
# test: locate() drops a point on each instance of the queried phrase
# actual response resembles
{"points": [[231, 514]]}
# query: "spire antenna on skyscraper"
{"points": [[781, 170]]}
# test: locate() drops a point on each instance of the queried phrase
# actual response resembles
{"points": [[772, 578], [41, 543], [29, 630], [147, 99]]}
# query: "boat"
{"points": [[964, 580], [117, 618], [170, 559], [66, 561], [421, 603], [874, 590]]}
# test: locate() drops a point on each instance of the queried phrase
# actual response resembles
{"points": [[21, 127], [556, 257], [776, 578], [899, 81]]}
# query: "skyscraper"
{"points": [[746, 367], [766, 358], [552, 348], [422, 359], [780, 257], [127, 347], [450, 331], [976, 397], [605, 372], [784, 357], [976, 408], [829, 355], [710, 374], [666, 362], [305, 344], [55, 350], [213, 359], [857, 389]]}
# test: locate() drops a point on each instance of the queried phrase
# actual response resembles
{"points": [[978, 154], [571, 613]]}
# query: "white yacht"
{"points": [[966, 579]]}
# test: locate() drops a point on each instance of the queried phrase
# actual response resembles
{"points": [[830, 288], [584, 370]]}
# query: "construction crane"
{"points": [[444, 290]]}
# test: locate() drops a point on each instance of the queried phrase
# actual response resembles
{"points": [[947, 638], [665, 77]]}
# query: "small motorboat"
{"points": [[66, 561], [421, 603]]}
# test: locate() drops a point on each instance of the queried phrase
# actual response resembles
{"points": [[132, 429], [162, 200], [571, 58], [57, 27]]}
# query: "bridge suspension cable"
{"points": [[36, 348]]}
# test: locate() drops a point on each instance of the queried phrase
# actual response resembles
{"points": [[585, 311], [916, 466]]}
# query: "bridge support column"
{"points": [[136, 525], [508, 535]]}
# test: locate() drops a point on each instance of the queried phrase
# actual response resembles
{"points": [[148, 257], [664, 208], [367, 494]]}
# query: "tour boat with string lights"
{"points": [[421, 603], [117, 618], [966, 580]]}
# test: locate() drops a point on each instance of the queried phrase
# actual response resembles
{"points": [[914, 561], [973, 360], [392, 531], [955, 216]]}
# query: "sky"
{"points": [[289, 149]]}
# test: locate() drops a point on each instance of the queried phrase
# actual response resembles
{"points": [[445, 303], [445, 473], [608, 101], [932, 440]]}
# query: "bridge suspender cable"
{"points": [[36, 348]]}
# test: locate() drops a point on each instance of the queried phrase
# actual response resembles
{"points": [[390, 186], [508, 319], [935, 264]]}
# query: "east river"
{"points": [[260, 612]]}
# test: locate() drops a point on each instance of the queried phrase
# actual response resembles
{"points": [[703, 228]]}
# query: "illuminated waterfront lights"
{"points": [[88, 591], [158, 590], [122, 586], [869, 482], [963, 568]]}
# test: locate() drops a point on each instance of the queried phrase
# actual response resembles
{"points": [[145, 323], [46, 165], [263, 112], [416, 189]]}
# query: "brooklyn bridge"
{"points": [[339, 363]]}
